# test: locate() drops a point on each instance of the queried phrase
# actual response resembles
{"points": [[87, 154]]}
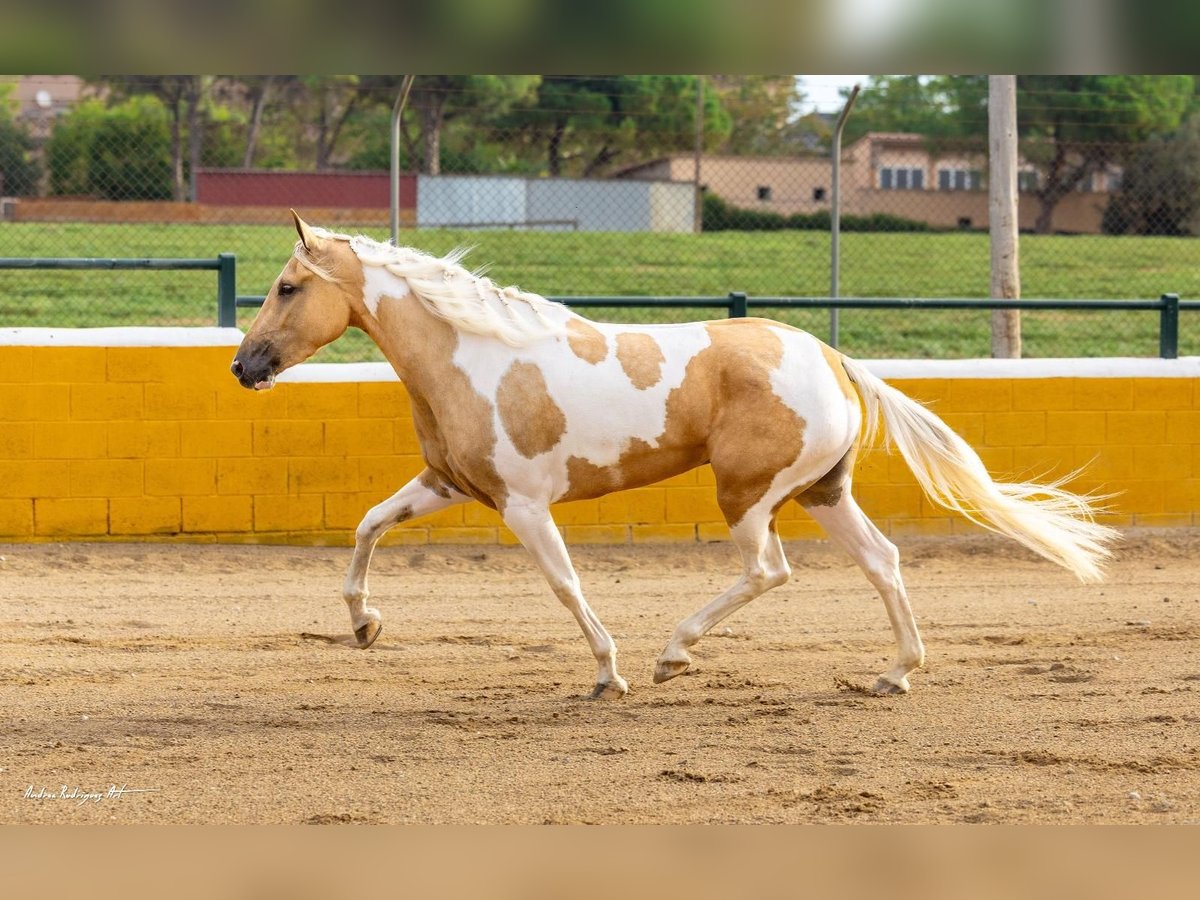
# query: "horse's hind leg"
{"points": [[533, 526], [849, 528], [423, 495], [764, 567]]}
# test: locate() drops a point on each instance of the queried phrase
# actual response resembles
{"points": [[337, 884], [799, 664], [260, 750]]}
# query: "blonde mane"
{"points": [[469, 301]]}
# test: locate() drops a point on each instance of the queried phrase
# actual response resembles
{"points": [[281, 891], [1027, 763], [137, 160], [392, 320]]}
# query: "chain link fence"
{"points": [[598, 186]]}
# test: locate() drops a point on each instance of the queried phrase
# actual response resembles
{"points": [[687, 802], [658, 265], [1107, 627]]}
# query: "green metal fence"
{"points": [[224, 264], [738, 304], [735, 303]]}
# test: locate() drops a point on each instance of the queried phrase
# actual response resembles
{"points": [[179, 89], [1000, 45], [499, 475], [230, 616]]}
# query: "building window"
{"points": [[818, 195], [960, 180], [1027, 181], [901, 179], [764, 192]]}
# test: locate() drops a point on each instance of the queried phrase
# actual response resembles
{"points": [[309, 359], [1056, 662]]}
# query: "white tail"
{"points": [[1050, 521]]}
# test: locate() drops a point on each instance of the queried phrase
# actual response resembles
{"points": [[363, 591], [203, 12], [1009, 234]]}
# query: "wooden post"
{"points": [[1002, 212], [697, 153]]}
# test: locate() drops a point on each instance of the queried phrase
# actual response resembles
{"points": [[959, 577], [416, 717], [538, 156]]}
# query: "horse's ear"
{"points": [[307, 237]]}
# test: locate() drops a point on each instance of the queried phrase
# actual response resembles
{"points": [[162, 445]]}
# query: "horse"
{"points": [[519, 403]]}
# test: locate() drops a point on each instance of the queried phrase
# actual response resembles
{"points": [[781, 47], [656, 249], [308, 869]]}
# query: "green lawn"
{"points": [[792, 263]]}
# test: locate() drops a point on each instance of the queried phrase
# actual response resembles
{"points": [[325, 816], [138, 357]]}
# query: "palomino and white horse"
{"points": [[520, 403]]}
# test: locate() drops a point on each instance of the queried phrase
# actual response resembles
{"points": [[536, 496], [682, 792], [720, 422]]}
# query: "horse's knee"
{"points": [[882, 565], [764, 579], [367, 532]]}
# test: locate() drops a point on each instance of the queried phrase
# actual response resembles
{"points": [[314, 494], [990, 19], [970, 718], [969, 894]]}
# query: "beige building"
{"points": [[889, 173], [40, 99]]}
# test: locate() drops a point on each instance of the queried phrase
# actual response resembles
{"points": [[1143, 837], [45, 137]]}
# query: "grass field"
{"points": [[563, 264]]}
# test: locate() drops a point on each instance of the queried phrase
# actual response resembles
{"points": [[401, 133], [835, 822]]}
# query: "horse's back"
{"points": [[612, 406]]}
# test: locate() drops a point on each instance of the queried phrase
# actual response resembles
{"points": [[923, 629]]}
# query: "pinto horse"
{"points": [[520, 403]]}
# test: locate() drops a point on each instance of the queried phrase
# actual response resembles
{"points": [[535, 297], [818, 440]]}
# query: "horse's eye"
{"points": [[285, 289]]}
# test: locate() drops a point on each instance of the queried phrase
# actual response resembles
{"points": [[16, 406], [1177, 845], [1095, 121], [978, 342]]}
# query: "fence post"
{"points": [[738, 309], [226, 290], [1168, 327]]}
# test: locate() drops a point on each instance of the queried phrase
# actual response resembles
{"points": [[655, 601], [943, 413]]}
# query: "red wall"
{"points": [[264, 187]]}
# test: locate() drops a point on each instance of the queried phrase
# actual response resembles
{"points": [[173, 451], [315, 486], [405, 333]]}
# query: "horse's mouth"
{"points": [[257, 372]]}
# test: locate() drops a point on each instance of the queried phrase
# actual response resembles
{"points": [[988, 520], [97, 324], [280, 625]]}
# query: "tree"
{"points": [[332, 100], [1160, 186], [585, 123], [1075, 125], [18, 171], [259, 92], [118, 152], [182, 96], [920, 104], [437, 99], [761, 110]]}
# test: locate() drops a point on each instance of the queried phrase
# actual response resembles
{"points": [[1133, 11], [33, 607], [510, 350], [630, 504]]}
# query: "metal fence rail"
{"points": [[738, 304], [224, 264]]}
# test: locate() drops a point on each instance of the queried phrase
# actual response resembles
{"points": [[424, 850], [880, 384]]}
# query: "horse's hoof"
{"points": [[610, 690], [884, 687], [367, 633], [666, 669]]}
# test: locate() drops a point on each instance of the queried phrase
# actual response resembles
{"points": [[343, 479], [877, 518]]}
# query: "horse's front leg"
{"points": [[531, 523], [423, 495]]}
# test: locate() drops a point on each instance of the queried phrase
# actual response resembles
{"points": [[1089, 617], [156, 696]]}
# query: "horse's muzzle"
{"points": [[255, 367]]}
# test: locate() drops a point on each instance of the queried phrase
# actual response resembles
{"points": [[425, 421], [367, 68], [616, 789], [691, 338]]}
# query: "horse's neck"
{"points": [[418, 344]]}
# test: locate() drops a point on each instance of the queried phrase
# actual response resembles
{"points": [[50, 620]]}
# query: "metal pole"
{"points": [[835, 219], [697, 205], [397, 111], [227, 290], [1168, 327]]}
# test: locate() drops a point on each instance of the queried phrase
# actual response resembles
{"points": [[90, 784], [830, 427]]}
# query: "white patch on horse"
{"points": [[379, 283], [807, 386], [471, 302], [601, 422]]}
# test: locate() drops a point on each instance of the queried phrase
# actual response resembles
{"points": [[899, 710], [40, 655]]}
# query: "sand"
{"points": [[216, 684]]}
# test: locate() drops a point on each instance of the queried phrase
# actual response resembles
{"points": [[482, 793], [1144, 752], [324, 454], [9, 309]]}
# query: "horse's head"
{"points": [[311, 303]]}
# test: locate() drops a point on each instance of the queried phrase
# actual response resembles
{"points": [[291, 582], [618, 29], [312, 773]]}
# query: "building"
{"points": [[40, 99], [894, 173]]}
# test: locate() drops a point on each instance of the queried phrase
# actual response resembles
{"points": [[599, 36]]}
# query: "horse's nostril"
{"points": [[236, 368]]}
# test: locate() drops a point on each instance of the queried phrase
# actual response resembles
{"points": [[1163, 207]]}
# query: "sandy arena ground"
{"points": [[218, 680]]}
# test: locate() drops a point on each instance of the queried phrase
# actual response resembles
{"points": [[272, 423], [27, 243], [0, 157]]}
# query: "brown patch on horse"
{"points": [[725, 411], [453, 421], [641, 358], [757, 435], [586, 342], [531, 418], [827, 490], [429, 480], [640, 464]]}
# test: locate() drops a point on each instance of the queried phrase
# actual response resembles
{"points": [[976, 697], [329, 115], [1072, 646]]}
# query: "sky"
{"points": [[821, 91]]}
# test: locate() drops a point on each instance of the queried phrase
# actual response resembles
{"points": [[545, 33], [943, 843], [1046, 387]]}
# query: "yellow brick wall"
{"points": [[158, 443]]}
